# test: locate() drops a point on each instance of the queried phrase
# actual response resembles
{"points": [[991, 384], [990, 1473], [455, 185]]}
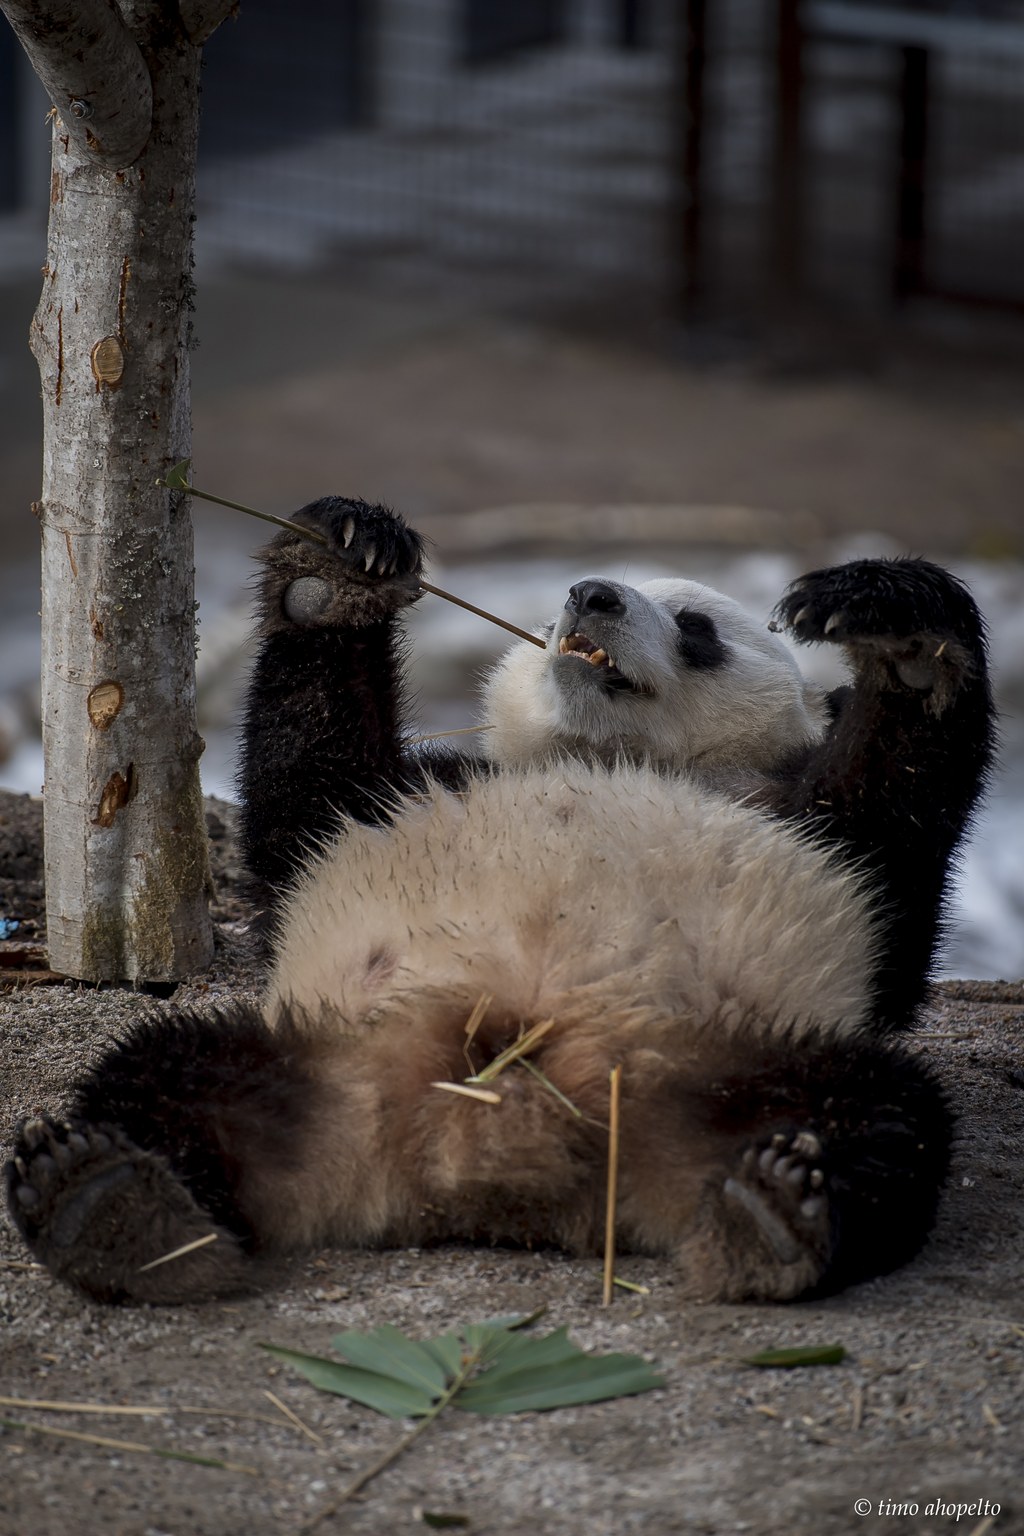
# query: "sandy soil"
{"points": [[925, 1408]]}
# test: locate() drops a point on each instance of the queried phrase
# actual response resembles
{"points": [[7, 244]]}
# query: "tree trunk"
{"points": [[126, 859]]}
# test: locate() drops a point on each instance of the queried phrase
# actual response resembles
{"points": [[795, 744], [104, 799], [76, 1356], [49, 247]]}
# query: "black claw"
{"points": [[879, 599], [371, 541]]}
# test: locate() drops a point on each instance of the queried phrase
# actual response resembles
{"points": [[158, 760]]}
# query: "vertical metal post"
{"points": [[786, 213], [689, 117], [630, 28], [9, 124], [909, 265]]}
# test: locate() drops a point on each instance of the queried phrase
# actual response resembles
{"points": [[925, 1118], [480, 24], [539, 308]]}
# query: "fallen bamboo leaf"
{"points": [[798, 1355], [487, 1368], [630, 1285]]}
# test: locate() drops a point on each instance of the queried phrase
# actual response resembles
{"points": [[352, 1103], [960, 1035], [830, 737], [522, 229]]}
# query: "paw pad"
{"points": [[781, 1186]]}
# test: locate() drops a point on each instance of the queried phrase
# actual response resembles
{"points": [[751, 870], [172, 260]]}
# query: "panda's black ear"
{"points": [[700, 645]]}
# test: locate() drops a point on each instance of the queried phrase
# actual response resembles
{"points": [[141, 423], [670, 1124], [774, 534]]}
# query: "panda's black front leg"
{"points": [[323, 714], [898, 776]]}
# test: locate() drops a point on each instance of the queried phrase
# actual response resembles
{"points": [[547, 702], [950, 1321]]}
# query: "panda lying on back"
{"points": [[691, 860]]}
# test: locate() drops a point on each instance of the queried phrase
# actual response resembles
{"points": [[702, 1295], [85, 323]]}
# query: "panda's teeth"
{"points": [[576, 645]]}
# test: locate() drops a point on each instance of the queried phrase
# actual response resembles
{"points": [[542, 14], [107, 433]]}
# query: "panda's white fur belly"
{"points": [[611, 901]]}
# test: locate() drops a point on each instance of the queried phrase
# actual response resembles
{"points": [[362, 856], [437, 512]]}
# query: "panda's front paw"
{"points": [[363, 567], [372, 541], [878, 600], [906, 625]]}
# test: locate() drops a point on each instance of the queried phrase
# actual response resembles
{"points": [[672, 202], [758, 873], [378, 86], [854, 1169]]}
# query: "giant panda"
{"points": [[694, 863]]}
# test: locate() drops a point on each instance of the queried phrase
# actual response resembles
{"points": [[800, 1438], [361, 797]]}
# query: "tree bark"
{"points": [[93, 72], [126, 857], [201, 18]]}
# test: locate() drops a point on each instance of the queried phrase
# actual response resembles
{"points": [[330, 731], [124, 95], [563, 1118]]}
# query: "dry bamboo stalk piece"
{"points": [[615, 1082]]}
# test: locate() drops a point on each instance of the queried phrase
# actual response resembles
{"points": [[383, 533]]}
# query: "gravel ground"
{"points": [[925, 1409]]}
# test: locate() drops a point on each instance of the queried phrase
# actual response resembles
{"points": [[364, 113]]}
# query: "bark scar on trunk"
{"points": [[105, 703], [117, 792], [122, 293], [60, 353], [107, 358]]}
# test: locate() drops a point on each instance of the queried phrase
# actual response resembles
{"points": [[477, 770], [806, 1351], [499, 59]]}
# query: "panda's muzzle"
{"points": [[598, 600]]}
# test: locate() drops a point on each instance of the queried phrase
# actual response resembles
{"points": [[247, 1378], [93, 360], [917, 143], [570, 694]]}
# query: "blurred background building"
{"points": [[677, 158], [589, 284]]}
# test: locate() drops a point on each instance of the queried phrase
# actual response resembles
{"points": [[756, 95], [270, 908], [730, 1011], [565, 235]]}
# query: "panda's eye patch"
{"points": [[699, 642]]}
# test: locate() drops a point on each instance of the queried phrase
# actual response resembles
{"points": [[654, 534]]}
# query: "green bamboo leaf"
{"points": [[523, 1353], [440, 1520], [797, 1355], [396, 1399], [176, 479], [447, 1351], [514, 1323], [389, 1352], [488, 1341], [493, 1370], [586, 1379]]}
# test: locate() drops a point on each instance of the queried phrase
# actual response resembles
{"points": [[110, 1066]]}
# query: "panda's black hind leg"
{"points": [[823, 1155], [191, 1125], [109, 1218]]}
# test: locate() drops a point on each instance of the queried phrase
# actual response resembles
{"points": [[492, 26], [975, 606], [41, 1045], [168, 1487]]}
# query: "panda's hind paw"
{"points": [[98, 1211], [780, 1186]]}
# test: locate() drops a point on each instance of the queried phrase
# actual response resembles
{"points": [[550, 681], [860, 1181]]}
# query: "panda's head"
{"points": [[671, 671]]}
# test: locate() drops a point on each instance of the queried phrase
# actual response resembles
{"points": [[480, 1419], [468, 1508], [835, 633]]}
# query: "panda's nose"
{"points": [[595, 597]]}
